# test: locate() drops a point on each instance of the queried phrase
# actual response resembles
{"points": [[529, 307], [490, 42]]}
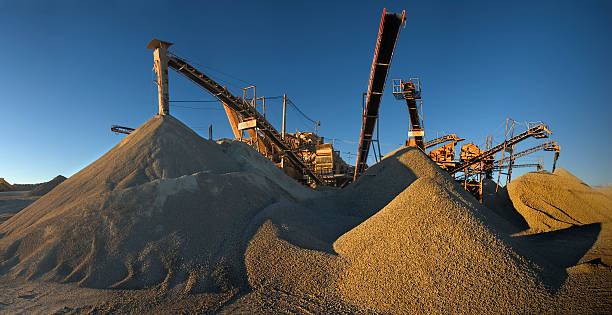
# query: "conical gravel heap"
{"points": [[164, 207], [433, 248], [552, 201]]}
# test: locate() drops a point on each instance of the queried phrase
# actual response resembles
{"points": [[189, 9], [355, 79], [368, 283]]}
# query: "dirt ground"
{"points": [[12, 202]]}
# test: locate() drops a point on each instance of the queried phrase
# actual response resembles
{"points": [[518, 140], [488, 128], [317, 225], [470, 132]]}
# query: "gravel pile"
{"points": [[220, 226], [558, 200], [435, 249], [5, 186], [46, 187], [163, 208]]}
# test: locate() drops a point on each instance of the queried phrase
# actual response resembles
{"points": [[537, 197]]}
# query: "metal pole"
{"points": [[210, 132], [378, 140], [509, 177], [501, 163], [284, 115]]}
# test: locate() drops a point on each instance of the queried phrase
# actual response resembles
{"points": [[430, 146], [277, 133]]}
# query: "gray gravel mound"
{"points": [[164, 208], [46, 187]]}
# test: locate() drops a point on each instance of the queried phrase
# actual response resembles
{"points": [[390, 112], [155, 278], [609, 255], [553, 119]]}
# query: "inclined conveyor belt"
{"points": [[390, 26], [242, 108], [415, 122]]}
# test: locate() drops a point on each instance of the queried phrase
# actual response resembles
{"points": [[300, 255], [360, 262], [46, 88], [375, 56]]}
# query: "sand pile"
{"points": [[606, 190], [168, 210], [164, 207], [46, 187], [500, 203], [434, 249], [558, 200], [381, 182]]}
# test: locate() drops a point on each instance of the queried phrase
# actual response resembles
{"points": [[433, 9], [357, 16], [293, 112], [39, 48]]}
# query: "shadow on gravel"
{"points": [[561, 248]]}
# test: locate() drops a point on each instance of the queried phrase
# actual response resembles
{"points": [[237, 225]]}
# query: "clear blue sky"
{"points": [[72, 68]]}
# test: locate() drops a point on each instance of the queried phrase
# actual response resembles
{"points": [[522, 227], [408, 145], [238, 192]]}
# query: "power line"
{"points": [[290, 102]]}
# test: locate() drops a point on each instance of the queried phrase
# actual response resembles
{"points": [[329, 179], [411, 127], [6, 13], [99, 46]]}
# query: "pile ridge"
{"points": [[46, 187]]}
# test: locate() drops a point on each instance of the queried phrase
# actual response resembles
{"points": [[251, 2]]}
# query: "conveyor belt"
{"points": [[390, 26], [413, 111], [497, 168], [240, 107], [436, 141], [121, 129], [546, 146]]}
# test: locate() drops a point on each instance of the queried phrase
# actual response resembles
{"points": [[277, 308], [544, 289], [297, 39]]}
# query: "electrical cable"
{"points": [[290, 102]]}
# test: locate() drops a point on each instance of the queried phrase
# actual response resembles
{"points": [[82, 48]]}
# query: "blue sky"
{"points": [[73, 68]]}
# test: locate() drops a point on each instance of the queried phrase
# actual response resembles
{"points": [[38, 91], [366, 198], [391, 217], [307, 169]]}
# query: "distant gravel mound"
{"points": [[558, 200], [163, 208], [47, 187], [5, 186]]}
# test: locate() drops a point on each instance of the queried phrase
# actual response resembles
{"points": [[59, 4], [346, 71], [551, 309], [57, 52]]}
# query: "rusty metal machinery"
{"points": [[390, 27], [487, 169], [444, 155], [321, 156], [446, 138], [539, 166], [410, 91], [475, 163], [470, 151], [538, 131], [554, 148], [472, 175], [237, 107], [243, 109], [546, 146]]}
